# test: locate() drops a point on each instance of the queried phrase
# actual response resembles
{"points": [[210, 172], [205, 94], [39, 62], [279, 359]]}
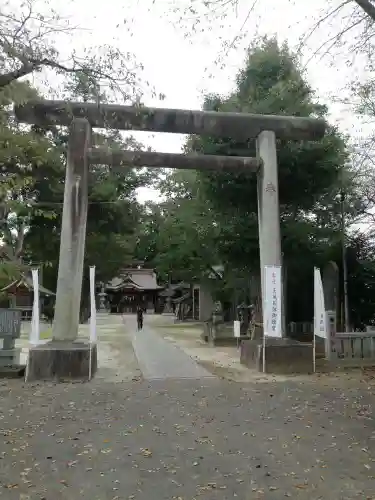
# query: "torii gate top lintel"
{"points": [[241, 126]]}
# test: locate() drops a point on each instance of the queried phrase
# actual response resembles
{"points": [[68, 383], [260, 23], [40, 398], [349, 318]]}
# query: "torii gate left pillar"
{"points": [[65, 357]]}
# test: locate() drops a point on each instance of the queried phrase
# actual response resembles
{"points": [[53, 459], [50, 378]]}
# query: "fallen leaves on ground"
{"points": [[146, 452]]}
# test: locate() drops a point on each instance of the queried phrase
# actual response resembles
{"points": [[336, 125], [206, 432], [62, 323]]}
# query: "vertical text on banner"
{"points": [[272, 321], [320, 317]]}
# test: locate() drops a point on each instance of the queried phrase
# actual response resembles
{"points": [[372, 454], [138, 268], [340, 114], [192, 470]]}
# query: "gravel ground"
{"points": [[185, 440], [121, 437]]}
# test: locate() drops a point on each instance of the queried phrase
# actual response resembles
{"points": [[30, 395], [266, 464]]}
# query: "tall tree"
{"points": [[113, 211], [25, 157], [179, 234], [112, 216], [271, 82]]}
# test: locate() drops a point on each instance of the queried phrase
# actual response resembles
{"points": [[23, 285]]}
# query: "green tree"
{"points": [[150, 224], [179, 235], [25, 157], [361, 279], [112, 222], [113, 212], [272, 82]]}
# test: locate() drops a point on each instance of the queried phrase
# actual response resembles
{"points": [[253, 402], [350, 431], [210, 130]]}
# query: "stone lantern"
{"points": [[102, 299]]}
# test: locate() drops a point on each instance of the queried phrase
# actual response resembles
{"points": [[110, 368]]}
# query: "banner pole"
{"points": [[264, 350], [264, 300], [328, 341], [34, 335], [92, 337], [27, 368], [90, 360], [315, 324], [314, 353]]}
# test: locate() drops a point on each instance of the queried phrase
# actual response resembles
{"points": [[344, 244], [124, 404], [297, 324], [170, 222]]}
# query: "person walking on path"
{"points": [[140, 317]]}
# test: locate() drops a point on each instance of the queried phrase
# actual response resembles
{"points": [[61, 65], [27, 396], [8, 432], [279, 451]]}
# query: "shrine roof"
{"points": [[25, 281], [136, 279]]}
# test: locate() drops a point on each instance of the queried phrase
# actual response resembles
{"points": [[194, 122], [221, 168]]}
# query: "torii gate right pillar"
{"points": [[268, 207], [281, 355]]}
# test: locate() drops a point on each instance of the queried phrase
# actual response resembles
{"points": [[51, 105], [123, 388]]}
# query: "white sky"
{"points": [[176, 64]]}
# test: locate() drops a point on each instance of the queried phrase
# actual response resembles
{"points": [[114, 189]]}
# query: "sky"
{"points": [[180, 61]]}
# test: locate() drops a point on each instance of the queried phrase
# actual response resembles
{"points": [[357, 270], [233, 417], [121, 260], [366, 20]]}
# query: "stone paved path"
{"points": [[158, 358]]}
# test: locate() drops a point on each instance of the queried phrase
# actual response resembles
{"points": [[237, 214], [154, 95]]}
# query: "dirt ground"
{"points": [[225, 361]]}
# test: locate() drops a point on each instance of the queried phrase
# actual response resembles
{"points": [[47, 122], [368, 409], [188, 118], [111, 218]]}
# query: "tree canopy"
{"points": [[311, 178], [309, 172], [32, 169], [179, 234], [25, 156]]}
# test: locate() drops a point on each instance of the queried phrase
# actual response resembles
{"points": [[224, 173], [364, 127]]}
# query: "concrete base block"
{"points": [[62, 360], [15, 371], [283, 356], [9, 357], [226, 341]]}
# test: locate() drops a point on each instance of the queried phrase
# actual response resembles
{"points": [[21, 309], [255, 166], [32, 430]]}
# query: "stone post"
{"points": [[268, 206], [64, 357]]}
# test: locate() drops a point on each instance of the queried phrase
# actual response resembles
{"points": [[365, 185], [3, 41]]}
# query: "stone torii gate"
{"points": [[64, 356]]}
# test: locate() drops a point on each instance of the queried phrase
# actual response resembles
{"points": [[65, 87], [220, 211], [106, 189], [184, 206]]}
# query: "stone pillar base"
{"points": [[283, 356], [62, 360]]}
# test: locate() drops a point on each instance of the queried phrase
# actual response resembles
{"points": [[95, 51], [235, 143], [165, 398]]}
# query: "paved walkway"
{"points": [[158, 358]]}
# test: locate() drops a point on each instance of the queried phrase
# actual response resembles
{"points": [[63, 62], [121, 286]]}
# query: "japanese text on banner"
{"points": [[320, 318], [272, 309]]}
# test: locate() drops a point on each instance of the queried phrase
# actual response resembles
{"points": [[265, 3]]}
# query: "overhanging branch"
{"points": [[11, 76], [368, 7]]}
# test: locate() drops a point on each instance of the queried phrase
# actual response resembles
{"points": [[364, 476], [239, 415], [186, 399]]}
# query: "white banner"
{"points": [[92, 305], [320, 316], [272, 321], [237, 329], [35, 319]]}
